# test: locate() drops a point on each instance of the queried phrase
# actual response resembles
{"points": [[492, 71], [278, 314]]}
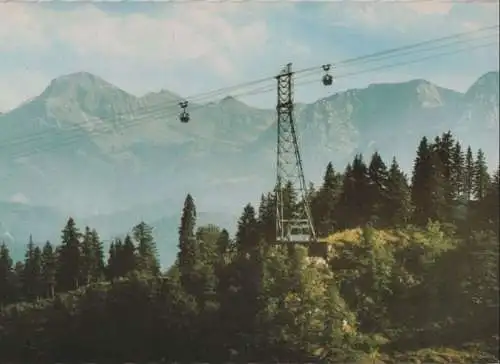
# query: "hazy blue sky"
{"points": [[193, 47]]}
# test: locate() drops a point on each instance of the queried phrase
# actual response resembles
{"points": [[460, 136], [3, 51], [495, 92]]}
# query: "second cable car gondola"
{"points": [[327, 78], [184, 116]]}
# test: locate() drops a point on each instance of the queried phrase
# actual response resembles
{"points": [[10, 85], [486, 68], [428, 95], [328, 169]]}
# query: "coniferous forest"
{"points": [[411, 276]]}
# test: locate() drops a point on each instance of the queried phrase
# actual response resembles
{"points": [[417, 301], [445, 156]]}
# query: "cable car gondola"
{"points": [[327, 78], [184, 116]]}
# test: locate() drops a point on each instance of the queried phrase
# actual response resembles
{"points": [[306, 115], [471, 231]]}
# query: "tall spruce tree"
{"points": [[427, 193], [247, 235], [267, 217], [111, 268], [324, 202], [32, 274], [128, 258], [98, 249], [354, 205], [481, 178], [87, 257], [377, 192], [469, 174], [49, 262], [188, 250], [458, 170], [69, 258], [147, 253], [6, 272], [398, 207]]}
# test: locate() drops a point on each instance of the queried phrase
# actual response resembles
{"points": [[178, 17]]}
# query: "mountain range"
{"points": [[88, 149]]}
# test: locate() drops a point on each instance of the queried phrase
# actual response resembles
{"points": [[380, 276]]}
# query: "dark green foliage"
{"points": [[398, 207], [469, 174], [481, 178], [325, 200], [378, 191], [69, 264], [188, 250], [147, 255], [354, 205], [49, 261], [6, 272]]}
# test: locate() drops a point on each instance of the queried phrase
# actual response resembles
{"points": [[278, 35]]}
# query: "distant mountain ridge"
{"points": [[87, 148]]}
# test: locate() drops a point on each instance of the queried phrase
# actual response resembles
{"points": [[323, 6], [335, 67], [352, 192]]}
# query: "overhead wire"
{"points": [[159, 112]]}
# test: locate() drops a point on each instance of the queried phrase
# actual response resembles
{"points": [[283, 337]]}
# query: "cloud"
{"points": [[19, 198], [172, 34], [412, 17], [19, 85]]}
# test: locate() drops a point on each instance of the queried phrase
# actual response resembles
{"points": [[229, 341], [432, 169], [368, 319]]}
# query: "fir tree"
{"points": [[457, 170], [427, 193], [87, 257], [147, 254], [267, 217], [111, 268], [49, 262], [69, 257], [325, 201], [6, 288], [398, 208], [187, 253], [98, 261], [480, 176], [128, 258], [377, 192], [469, 174], [354, 205], [32, 274], [247, 235]]}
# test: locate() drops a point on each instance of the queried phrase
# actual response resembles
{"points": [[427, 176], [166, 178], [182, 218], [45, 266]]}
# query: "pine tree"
{"points": [[457, 170], [98, 263], [444, 148], [118, 261], [469, 174], [223, 245], [6, 288], [488, 209], [267, 217], [480, 176], [247, 235], [188, 250], [69, 258], [398, 207], [377, 193], [37, 273], [87, 257], [32, 274], [49, 262], [354, 206], [111, 268], [128, 258], [427, 194], [324, 202], [146, 248]]}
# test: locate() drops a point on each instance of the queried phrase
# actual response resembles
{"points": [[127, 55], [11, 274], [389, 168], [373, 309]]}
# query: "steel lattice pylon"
{"points": [[289, 169]]}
